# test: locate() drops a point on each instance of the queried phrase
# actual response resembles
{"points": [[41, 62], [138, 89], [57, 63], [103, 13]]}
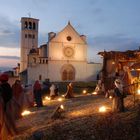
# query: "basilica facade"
{"points": [[62, 59]]}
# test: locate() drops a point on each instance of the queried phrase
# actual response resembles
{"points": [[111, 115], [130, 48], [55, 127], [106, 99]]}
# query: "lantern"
{"points": [[102, 109], [25, 113]]}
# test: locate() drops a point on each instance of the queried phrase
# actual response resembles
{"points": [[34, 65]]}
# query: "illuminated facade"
{"points": [[62, 58]]}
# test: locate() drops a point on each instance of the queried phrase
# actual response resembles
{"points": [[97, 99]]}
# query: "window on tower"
{"points": [[29, 36], [30, 25], [25, 35], [33, 36], [26, 25], [40, 77], [34, 26]]}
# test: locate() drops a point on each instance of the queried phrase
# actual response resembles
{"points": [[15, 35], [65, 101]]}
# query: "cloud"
{"points": [[117, 42], [114, 42], [10, 57], [9, 32]]}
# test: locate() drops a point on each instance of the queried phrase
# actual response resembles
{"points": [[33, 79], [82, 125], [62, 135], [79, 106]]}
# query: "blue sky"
{"points": [[108, 24]]}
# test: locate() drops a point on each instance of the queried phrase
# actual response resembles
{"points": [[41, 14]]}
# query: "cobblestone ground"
{"points": [[80, 114]]}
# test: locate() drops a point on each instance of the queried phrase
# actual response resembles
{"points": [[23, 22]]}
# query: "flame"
{"points": [[94, 93], [138, 91], [61, 106], [110, 97], [25, 113], [113, 62], [102, 109], [84, 91], [47, 98], [59, 99]]}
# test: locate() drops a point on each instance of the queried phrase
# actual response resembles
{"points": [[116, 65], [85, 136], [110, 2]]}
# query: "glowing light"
{"points": [[94, 93], [61, 106], [110, 97], [113, 62], [59, 99], [63, 95], [138, 91], [84, 91], [25, 113], [35, 104], [102, 109], [47, 98]]}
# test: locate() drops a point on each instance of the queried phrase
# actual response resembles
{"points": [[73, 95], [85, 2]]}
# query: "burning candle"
{"points": [[47, 98], [94, 93], [84, 91], [113, 62], [61, 106], [110, 97], [138, 91], [59, 99], [102, 109], [25, 113]]}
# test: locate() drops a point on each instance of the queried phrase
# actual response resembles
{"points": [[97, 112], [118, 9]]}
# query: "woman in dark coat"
{"points": [[37, 94], [7, 120], [6, 88], [118, 102]]}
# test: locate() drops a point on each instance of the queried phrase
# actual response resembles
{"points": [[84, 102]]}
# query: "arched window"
{"points": [[64, 75], [26, 36], [68, 73], [40, 77], [71, 75], [26, 25], [30, 25], [34, 26], [33, 36], [29, 36]]}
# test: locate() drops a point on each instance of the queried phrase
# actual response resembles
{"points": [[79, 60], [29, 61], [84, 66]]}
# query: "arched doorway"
{"points": [[67, 72]]}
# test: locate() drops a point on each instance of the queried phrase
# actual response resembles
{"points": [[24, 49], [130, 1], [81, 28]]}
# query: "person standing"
{"points": [[52, 92], [118, 97], [6, 88], [37, 93], [8, 126], [18, 97], [69, 93], [17, 91]]}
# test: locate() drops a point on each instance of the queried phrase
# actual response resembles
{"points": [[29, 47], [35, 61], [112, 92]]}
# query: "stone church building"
{"points": [[62, 58]]}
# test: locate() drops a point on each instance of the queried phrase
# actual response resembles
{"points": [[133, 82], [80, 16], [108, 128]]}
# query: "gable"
{"points": [[68, 35]]}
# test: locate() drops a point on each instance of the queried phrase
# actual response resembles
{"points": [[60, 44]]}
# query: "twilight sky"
{"points": [[108, 24]]}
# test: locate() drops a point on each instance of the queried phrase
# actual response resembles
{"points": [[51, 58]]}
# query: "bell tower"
{"points": [[29, 39]]}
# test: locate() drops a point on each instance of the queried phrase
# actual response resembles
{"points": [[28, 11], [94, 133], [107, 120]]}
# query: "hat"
{"points": [[4, 77]]}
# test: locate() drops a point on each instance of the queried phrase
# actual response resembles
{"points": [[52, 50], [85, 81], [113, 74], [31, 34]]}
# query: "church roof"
{"points": [[73, 29]]}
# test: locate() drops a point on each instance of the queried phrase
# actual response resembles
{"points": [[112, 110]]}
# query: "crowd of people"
{"points": [[15, 98]]}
